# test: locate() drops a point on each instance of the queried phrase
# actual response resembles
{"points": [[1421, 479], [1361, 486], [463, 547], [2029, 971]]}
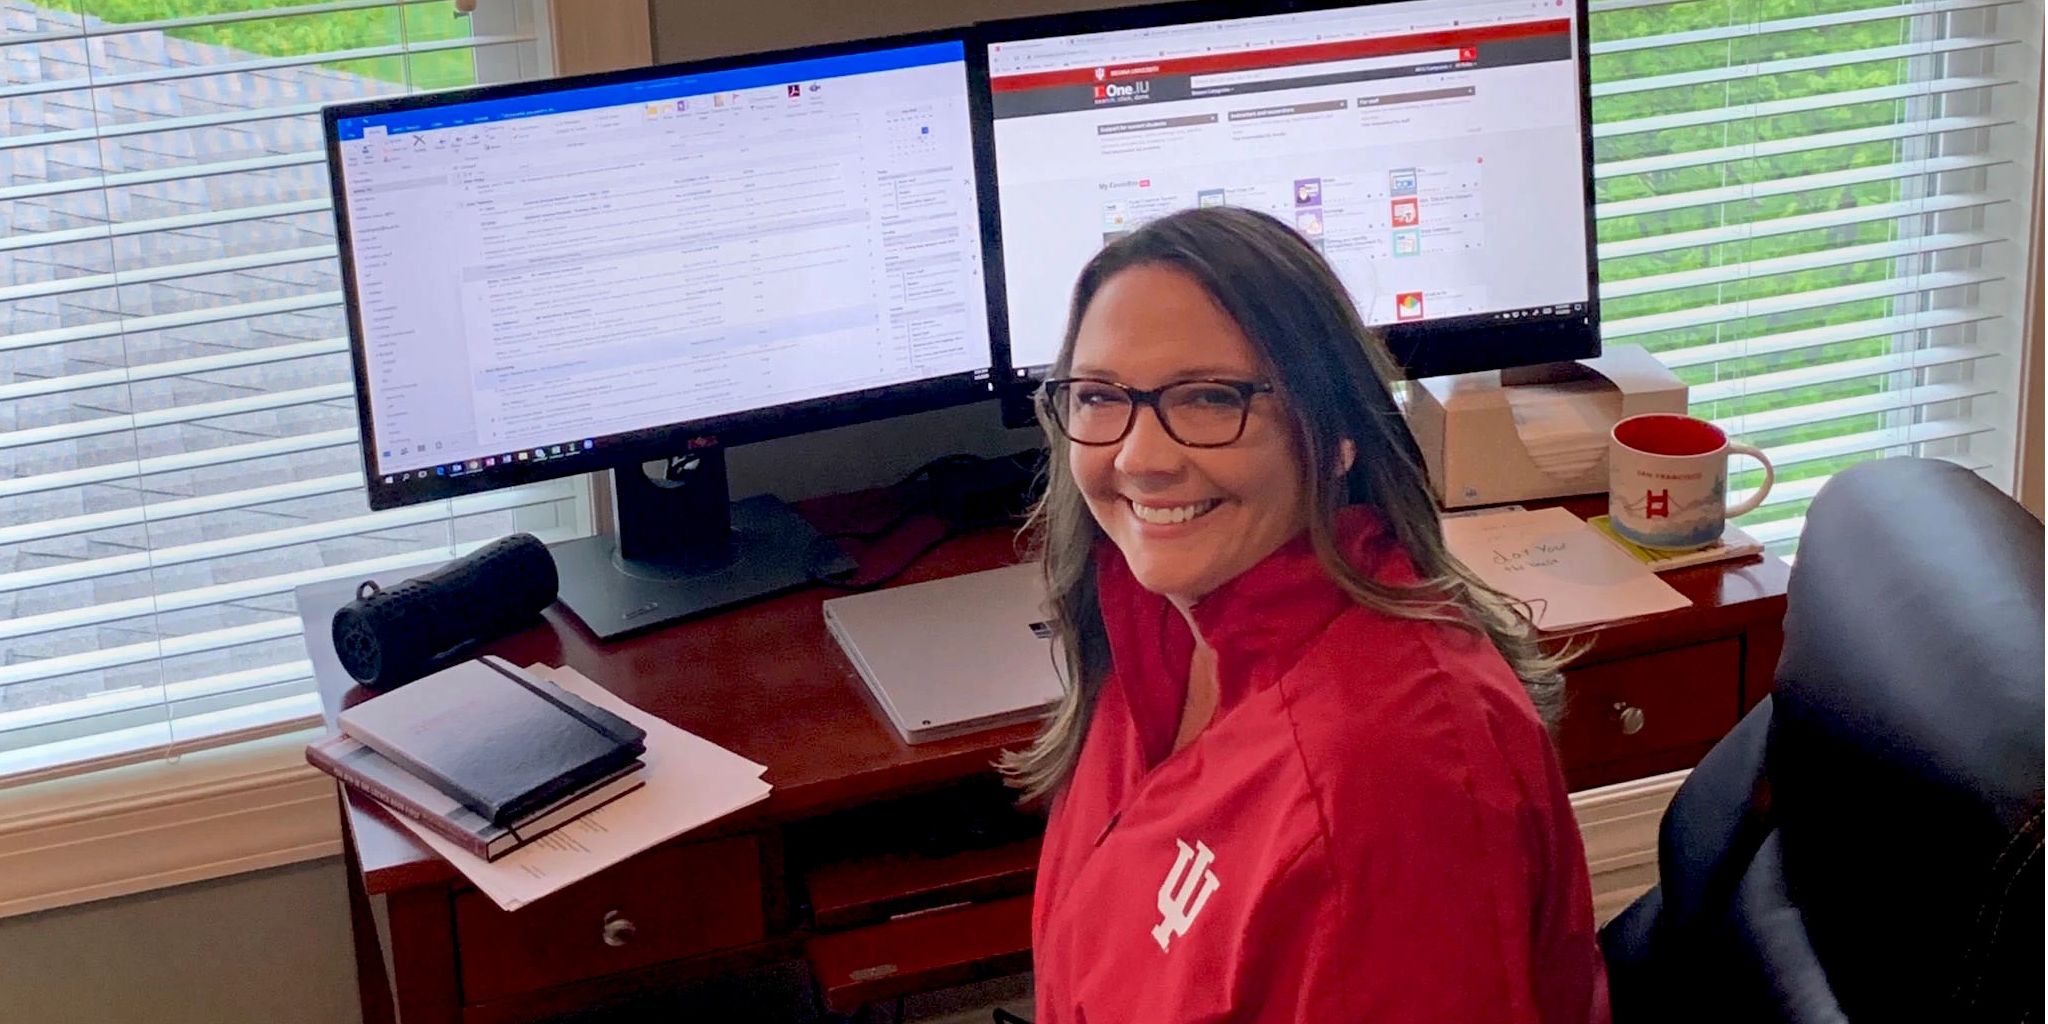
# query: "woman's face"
{"points": [[1187, 520]]}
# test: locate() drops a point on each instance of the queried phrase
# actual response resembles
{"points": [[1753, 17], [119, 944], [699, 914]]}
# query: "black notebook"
{"points": [[501, 741]]}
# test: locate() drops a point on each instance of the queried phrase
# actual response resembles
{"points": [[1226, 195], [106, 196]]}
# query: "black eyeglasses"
{"points": [[1196, 413]]}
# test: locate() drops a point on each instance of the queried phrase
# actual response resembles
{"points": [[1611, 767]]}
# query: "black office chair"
{"points": [[1866, 845]]}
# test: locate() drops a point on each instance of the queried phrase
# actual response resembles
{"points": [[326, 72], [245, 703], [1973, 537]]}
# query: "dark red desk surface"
{"points": [[768, 682]]}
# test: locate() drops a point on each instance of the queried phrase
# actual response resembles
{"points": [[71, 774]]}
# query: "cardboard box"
{"points": [[1488, 444]]}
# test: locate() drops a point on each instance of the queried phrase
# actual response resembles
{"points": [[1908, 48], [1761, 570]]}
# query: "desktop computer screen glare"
{"points": [[537, 273], [1432, 151]]}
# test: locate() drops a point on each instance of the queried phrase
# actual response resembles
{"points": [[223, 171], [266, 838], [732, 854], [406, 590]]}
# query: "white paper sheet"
{"points": [[1567, 573], [690, 782], [1564, 426]]}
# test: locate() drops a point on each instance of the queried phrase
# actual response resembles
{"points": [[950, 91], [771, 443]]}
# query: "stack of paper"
{"points": [[1561, 568], [1564, 426], [1735, 542], [690, 782]]}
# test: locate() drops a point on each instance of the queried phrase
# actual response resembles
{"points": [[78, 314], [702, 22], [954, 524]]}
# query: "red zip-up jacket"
{"points": [[1372, 827]]}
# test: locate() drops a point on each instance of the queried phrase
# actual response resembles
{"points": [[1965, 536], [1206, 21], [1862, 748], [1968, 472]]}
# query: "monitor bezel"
{"points": [[634, 447], [1429, 349]]}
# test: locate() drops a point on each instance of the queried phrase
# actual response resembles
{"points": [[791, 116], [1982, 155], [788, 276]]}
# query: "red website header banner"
{"points": [[1461, 38]]}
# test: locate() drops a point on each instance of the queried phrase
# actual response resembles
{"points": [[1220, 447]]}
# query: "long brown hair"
{"points": [[1331, 372]]}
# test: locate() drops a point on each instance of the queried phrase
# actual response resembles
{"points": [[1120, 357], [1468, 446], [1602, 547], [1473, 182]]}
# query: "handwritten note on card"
{"points": [[1566, 572]]}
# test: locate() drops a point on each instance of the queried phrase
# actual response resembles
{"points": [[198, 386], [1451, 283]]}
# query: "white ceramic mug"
{"points": [[1667, 480]]}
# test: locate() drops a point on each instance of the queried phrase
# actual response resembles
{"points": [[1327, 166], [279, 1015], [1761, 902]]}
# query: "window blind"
{"points": [[1814, 212], [178, 445], [1809, 210]]}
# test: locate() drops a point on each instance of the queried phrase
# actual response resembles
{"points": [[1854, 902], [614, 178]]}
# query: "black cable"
{"points": [[962, 458], [956, 525], [885, 579], [914, 507], [902, 516]]}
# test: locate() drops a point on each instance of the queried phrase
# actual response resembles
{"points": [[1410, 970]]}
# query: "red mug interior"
{"points": [[1670, 434]]}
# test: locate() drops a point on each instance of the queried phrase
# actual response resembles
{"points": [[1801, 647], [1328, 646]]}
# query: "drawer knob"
{"points": [[617, 929], [1630, 717]]}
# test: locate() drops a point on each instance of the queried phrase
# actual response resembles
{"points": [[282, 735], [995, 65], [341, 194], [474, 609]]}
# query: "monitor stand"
{"points": [[681, 549], [1546, 373]]}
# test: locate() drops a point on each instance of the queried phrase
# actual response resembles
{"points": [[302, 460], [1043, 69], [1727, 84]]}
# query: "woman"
{"points": [[1301, 774]]}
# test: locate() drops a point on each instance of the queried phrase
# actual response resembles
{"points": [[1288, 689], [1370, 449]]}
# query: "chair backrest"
{"points": [[1905, 748]]}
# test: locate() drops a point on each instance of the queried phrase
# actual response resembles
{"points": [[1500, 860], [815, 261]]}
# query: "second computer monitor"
{"points": [[1434, 151], [561, 276]]}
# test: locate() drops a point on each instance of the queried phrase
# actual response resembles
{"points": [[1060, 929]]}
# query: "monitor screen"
{"points": [[546, 278], [1435, 152]]}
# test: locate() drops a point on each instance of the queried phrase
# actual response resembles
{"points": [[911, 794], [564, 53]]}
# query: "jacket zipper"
{"points": [[1138, 791], [1107, 826]]}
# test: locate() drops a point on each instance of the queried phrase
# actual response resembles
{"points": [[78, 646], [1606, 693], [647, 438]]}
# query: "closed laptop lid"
{"points": [[952, 655]]}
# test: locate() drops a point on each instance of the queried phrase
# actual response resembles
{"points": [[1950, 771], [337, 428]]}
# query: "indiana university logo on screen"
{"points": [[1184, 892]]}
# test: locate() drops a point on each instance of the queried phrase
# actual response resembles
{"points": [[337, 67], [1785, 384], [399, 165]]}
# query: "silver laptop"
{"points": [[952, 656]]}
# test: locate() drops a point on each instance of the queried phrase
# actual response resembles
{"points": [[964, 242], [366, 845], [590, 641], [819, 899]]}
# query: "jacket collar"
{"points": [[1258, 624]]}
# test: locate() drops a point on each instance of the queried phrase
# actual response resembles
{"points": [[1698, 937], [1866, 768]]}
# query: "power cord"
{"points": [[966, 491], [916, 505], [841, 583]]}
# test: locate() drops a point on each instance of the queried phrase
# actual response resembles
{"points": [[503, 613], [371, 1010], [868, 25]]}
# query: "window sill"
{"points": [[127, 830], [259, 805]]}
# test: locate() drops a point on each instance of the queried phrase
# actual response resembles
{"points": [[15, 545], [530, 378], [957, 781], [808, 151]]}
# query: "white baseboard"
{"points": [[1619, 826]]}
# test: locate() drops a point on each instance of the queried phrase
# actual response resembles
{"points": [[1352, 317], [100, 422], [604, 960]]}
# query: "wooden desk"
{"points": [[769, 683]]}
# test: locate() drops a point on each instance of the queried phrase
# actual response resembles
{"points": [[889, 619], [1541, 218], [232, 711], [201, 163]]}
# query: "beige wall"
{"points": [[264, 948], [688, 29], [599, 35], [2028, 476]]}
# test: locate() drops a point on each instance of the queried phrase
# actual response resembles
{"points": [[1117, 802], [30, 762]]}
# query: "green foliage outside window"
{"points": [[327, 32]]}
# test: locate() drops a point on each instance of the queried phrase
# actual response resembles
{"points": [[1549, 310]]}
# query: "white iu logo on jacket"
{"points": [[1187, 887]]}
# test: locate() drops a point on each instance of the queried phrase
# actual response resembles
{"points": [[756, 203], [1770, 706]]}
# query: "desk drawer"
{"points": [[674, 901], [1651, 714], [921, 952]]}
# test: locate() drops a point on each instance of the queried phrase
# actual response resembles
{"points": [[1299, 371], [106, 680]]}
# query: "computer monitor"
{"points": [[587, 273], [1436, 152]]}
